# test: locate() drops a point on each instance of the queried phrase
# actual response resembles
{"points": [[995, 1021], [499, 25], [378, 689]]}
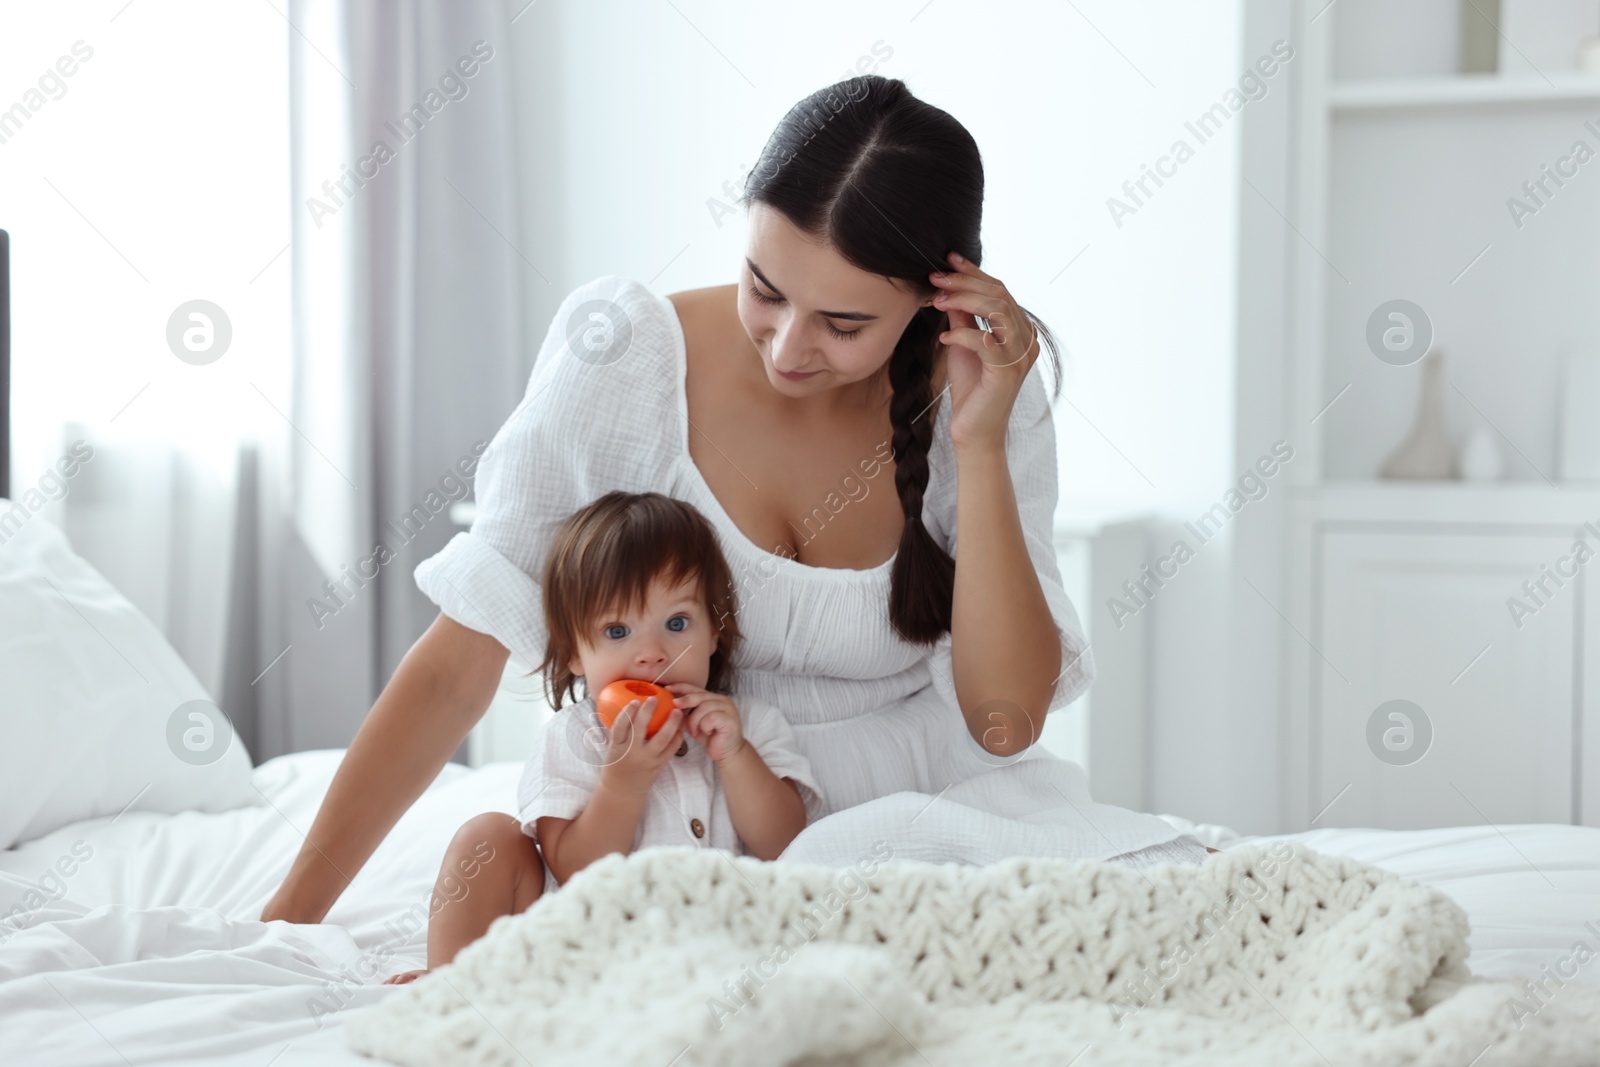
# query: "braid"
{"points": [[891, 184], [922, 584]]}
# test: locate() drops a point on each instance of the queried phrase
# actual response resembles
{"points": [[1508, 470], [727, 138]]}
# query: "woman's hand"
{"points": [[985, 369], [714, 720]]}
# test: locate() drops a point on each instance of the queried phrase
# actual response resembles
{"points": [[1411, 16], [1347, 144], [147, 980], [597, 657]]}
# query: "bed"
{"points": [[155, 955], [130, 883]]}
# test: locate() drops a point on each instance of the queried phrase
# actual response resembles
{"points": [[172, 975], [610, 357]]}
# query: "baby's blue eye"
{"points": [[679, 618], [616, 626]]}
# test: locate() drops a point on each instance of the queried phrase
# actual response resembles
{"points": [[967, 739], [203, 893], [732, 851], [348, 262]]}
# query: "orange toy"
{"points": [[620, 693]]}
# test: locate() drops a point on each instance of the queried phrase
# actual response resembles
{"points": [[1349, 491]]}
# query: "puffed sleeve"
{"points": [[1031, 457], [563, 769], [609, 350], [766, 727]]}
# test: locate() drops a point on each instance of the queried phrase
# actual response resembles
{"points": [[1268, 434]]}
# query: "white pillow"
{"points": [[97, 711]]}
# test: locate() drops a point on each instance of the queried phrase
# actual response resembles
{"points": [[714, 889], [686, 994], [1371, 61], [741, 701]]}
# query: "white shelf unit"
{"points": [[1464, 90], [1398, 188], [1403, 592]]}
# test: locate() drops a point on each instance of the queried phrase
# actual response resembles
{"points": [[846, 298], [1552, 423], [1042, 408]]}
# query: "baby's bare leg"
{"points": [[491, 869]]}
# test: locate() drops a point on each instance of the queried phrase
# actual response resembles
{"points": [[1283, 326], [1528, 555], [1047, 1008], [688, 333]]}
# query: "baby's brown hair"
{"points": [[604, 557]]}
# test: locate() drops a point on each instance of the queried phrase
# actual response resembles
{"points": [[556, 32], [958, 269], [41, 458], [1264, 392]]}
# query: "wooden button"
{"points": [[683, 748], [698, 827]]}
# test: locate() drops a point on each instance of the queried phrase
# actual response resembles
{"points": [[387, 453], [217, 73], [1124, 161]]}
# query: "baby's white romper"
{"points": [[686, 805]]}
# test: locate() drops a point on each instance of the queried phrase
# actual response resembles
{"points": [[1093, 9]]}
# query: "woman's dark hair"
{"points": [[603, 559], [894, 184]]}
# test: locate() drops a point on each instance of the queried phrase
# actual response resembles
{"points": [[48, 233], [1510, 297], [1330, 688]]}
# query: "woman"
{"points": [[849, 353]]}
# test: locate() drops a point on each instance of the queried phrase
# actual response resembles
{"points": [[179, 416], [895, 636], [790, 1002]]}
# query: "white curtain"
{"points": [[405, 268], [374, 339], [110, 254]]}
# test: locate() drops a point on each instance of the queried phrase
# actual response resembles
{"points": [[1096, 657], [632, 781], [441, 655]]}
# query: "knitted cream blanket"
{"points": [[1264, 955]]}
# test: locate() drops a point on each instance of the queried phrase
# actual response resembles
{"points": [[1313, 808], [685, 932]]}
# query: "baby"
{"points": [[635, 586]]}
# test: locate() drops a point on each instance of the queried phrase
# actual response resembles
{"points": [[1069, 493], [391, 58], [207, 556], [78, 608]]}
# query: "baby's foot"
{"points": [[405, 976]]}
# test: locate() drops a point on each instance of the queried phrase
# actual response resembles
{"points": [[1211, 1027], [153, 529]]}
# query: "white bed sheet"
{"points": [[154, 954]]}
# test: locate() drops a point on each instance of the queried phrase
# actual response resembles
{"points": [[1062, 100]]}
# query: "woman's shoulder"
{"points": [[610, 320], [619, 287], [708, 305], [709, 320], [611, 347]]}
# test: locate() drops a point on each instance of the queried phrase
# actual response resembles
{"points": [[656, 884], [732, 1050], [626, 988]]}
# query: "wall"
{"points": [[634, 117]]}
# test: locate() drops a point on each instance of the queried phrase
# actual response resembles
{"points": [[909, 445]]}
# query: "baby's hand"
{"points": [[713, 721], [405, 976], [633, 762]]}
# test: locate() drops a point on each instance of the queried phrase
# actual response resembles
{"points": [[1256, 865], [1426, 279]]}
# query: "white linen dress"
{"points": [[875, 715]]}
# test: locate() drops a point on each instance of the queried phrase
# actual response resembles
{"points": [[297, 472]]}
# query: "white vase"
{"points": [[1427, 452], [1481, 459]]}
